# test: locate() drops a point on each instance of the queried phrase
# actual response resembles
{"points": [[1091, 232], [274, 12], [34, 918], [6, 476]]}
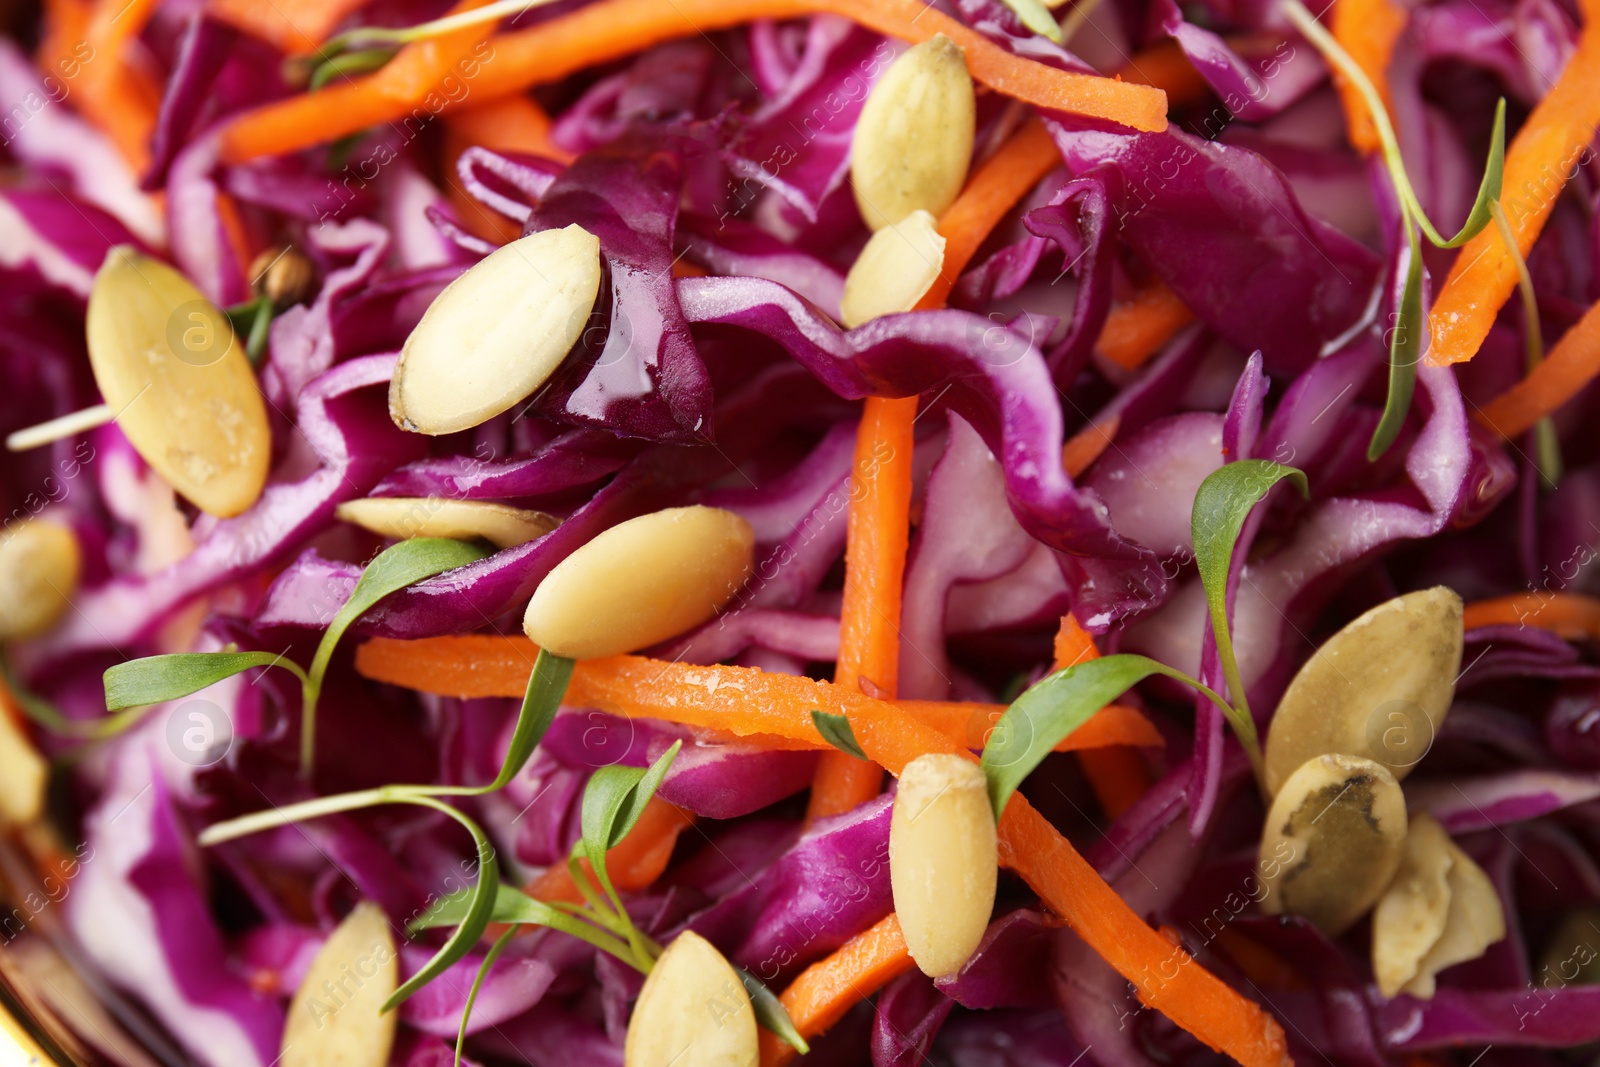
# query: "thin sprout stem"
{"points": [[1334, 53], [274, 818], [365, 35], [489, 960], [1547, 445], [1530, 303], [1077, 18]]}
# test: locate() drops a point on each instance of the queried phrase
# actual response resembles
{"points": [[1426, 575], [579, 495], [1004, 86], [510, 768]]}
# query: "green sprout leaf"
{"points": [[546, 686], [1488, 189], [157, 679], [513, 906], [481, 901], [771, 1015], [835, 729], [615, 798], [612, 803], [401, 564], [1221, 505], [1405, 352], [1409, 333], [1037, 17], [489, 960], [1058, 704]]}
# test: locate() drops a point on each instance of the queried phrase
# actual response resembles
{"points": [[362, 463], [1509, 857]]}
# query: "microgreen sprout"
{"points": [[1221, 505], [613, 801], [156, 679], [1037, 17], [368, 48], [1409, 333], [251, 320], [835, 729], [1058, 704], [1547, 446], [474, 908]]}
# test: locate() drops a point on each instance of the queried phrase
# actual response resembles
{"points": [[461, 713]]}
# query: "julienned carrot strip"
{"points": [[1543, 156], [1116, 774], [634, 864], [481, 665], [1088, 445], [874, 571], [1113, 725], [120, 99], [416, 86], [1073, 644], [512, 124], [880, 502], [1136, 329], [1165, 977], [824, 991], [1368, 30], [606, 30], [1570, 615], [291, 26], [1166, 67], [1563, 373], [515, 124], [993, 190], [743, 701]]}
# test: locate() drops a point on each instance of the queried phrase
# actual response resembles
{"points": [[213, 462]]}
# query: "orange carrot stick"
{"points": [[612, 29], [1088, 445], [481, 665], [1073, 644], [1165, 66], [746, 701], [120, 99], [414, 87], [1570, 615], [1165, 976], [1136, 329], [1368, 30], [1544, 154], [993, 190], [291, 26], [514, 124], [875, 563], [634, 864], [824, 991], [880, 505], [971, 724], [1563, 373], [1117, 775]]}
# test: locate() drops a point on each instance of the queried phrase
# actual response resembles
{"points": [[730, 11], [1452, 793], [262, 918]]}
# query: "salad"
{"points": [[989, 533]]}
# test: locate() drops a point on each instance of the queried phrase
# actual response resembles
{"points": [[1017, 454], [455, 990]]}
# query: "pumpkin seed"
{"points": [[693, 1009], [404, 517], [641, 582], [39, 566], [1411, 914], [943, 860], [336, 1018], [168, 364], [899, 264], [913, 142], [1379, 688], [23, 772], [1332, 842], [1475, 921], [496, 333]]}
